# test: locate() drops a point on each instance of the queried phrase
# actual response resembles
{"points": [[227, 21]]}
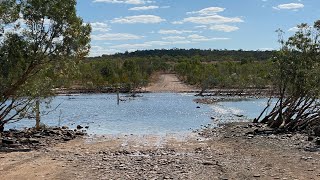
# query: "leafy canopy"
{"points": [[41, 40]]}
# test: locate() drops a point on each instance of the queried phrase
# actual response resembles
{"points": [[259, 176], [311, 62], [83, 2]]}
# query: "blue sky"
{"points": [[128, 25]]}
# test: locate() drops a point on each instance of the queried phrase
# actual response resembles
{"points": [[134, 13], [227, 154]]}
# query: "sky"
{"points": [[129, 25]]}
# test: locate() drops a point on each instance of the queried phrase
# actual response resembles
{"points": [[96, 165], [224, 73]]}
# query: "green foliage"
{"points": [[42, 41], [127, 74], [209, 55], [296, 77], [298, 62], [225, 74]]}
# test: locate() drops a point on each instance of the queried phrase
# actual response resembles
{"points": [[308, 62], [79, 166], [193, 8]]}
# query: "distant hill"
{"points": [[199, 54]]}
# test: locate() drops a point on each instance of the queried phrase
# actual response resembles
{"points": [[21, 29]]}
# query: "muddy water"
{"points": [[154, 113]]}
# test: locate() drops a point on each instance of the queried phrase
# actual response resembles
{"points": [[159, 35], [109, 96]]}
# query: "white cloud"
{"points": [[208, 11], [177, 22], [125, 1], [173, 31], [290, 6], [148, 44], [214, 19], [265, 49], [115, 37], [99, 26], [293, 29], [131, 46], [201, 27], [165, 7], [173, 38], [196, 37], [223, 27], [98, 51], [143, 8], [144, 19]]}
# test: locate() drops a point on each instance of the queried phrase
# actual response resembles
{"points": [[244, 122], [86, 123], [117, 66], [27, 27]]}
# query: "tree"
{"points": [[297, 81], [40, 41]]}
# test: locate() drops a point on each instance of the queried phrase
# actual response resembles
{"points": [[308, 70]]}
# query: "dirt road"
{"points": [[225, 154], [168, 83]]}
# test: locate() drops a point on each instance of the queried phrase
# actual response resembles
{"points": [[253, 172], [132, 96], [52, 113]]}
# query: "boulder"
{"points": [[316, 131]]}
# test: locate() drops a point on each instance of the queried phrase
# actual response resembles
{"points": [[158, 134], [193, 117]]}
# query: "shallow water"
{"points": [[154, 113]]}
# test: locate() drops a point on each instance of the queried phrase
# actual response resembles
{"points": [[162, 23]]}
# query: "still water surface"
{"points": [[153, 113]]}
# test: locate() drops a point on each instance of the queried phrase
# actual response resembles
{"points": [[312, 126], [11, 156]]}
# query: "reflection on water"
{"points": [[154, 113]]}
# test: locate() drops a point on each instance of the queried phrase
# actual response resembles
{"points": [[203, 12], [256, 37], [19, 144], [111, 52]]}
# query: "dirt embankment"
{"points": [[230, 152]]}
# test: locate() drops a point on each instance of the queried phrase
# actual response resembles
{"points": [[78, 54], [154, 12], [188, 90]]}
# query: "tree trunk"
{"points": [[118, 97], [37, 114], [1, 129]]}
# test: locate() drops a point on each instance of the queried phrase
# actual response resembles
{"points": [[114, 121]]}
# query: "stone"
{"points": [[67, 138], [79, 133], [79, 127], [33, 140], [24, 140], [8, 141], [310, 138], [208, 163], [316, 131], [317, 141], [70, 133], [38, 135]]}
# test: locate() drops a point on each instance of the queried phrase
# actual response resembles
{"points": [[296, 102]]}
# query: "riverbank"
{"points": [[229, 152], [169, 83]]}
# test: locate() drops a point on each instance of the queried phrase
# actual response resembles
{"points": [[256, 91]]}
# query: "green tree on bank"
{"points": [[41, 41], [297, 81]]}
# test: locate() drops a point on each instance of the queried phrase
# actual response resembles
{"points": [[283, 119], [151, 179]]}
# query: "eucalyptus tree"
{"points": [[296, 78], [41, 41]]}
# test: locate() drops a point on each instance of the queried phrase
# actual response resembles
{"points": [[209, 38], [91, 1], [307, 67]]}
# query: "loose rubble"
{"points": [[232, 151], [29, 139]]}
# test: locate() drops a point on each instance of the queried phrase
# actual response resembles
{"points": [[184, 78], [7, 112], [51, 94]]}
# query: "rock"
{"points": [[198, 107], [208, 163], [256, 175], [67, 138], [316, 131], [272, 136], [64, 127], [239, 115], [8, 141], [317, 141], [87, 127], [70, 133], [79, 127], [33, 140], [79, 133], [310, 138], [38, 135], [24, 140]]}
